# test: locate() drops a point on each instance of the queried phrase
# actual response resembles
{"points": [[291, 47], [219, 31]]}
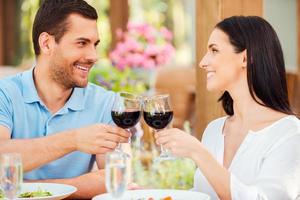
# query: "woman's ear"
{"points": [[244, 57]]}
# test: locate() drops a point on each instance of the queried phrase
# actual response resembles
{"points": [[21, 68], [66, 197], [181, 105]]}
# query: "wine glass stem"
{"points": [[162, 149], [119, 148], [129, 139]]}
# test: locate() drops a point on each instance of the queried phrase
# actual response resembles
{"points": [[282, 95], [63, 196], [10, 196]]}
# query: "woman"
{"points": [[253, 152]]}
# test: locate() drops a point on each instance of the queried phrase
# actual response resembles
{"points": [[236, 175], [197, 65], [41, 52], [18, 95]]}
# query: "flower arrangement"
{"points": [[111, 78], [142, 46], [140, 50]]}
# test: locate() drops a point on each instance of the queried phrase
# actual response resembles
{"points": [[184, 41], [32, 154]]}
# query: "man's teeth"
{"points": [[82, 68], [210, 74]]}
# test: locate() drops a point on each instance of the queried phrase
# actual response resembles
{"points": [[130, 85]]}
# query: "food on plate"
{"points": [[150, 198], [167, 198], [38, 193]]}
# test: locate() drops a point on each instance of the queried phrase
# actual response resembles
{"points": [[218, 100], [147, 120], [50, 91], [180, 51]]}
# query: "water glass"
{"points": [[11, 174], [116, 174]]}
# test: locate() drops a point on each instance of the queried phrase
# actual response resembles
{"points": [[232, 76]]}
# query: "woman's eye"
{"points": [[214, 50]]}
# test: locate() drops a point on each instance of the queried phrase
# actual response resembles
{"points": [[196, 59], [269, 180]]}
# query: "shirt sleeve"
{"points": [[6, 115], [279, 176]]}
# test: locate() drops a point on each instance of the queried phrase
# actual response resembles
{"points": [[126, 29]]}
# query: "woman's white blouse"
{"points": [[266, 165]]}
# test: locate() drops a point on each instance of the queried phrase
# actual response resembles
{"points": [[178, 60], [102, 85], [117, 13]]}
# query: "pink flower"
{"points": [[137, 59], [160, 59], [152, 50], [148, 64], [166, 33], [142, 46]]}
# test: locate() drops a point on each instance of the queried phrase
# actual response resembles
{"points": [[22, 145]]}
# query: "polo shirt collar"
{"points": [[29, 91], [75, 102]]}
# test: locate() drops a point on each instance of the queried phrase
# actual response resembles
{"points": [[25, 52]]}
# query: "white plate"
{"points": [[157, 195], [58, 191]]}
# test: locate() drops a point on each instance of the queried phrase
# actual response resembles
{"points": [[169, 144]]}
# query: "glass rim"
{"points": [[128, 95], [11, 157], [10, 154], [159, 96], [115, 155]]}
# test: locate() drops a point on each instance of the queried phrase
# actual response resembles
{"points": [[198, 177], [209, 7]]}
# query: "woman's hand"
{"points": [[179, 142]]}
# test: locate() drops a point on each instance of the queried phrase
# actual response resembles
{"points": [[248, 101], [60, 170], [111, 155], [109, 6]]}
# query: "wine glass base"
{"points": [[164, 157], [123, 153]]}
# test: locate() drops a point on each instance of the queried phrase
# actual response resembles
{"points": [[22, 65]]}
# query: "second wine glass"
{"points": [[126, 112], [158, 114]]}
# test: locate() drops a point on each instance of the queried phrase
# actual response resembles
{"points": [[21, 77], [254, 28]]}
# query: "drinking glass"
{"points": [[11, 174], [126, 112], [158, 114], [116, 174]]}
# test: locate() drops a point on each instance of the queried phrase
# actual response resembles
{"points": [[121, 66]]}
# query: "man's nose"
{"points": [[92, 55]]}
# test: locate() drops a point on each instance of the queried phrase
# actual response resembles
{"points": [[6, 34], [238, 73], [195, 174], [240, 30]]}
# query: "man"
{"points": [[50, 114]]}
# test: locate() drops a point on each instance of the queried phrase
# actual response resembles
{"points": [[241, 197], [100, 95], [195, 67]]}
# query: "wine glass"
{"points": [[158, 114], [115, 174], [11, 174], [126, 112]]}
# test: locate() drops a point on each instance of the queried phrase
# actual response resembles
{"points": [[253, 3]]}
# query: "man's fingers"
{"points": [[117, 130], [116, 138]]}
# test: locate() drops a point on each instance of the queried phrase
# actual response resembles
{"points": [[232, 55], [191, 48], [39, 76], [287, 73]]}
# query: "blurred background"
{"points": [[178, 16], [167, 38]]}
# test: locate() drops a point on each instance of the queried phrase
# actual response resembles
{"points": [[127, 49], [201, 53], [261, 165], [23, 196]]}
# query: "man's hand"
{"points": [[99, 138], [94, 139], [88, 185]]}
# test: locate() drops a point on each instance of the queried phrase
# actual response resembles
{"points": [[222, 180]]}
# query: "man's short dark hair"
{"points": [[52, 17]]}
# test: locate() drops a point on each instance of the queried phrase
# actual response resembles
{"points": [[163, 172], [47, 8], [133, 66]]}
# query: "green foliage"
{"points": [[1, 194], [111, 78], [28, 11], [103, 23], [174, 174]]}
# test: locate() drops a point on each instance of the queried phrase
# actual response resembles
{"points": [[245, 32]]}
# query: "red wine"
{"points": [[125, 119], [158, 120]]}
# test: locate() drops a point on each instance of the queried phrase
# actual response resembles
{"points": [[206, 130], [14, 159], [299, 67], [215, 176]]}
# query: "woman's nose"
{"points": [[203, 62]]}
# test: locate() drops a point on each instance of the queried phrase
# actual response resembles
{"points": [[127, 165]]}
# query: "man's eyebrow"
{"points": [[97, 42], [84, 39], [87, 40]]}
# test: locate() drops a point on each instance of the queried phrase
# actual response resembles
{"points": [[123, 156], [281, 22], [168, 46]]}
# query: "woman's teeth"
{"points": [[210, 74]]}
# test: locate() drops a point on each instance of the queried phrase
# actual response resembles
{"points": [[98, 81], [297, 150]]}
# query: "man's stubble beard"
{"points": [[64, 76]]}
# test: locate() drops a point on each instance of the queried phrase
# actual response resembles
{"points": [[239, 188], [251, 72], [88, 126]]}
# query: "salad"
{"points": [[38, 193]]}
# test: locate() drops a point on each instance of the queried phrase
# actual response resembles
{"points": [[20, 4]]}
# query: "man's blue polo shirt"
{"points": [[23, 112]]}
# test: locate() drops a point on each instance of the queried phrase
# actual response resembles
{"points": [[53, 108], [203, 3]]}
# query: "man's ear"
{"points": [[45, 42], [244, 57]]}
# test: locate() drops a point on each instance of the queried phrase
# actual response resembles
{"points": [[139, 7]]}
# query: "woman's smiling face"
{"points": [[223, 65]]}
